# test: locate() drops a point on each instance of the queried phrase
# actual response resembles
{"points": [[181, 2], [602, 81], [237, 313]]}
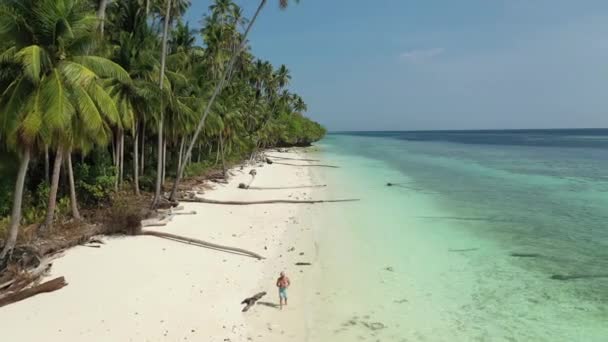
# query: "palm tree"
{"points": [[56, 83], [218, 88]]}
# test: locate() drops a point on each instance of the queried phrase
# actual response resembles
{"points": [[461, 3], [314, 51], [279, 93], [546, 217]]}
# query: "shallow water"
{"points": [[432, 257]]}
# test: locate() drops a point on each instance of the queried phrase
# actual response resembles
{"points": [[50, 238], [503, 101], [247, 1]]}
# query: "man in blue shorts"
{"points": [[283, 283]]}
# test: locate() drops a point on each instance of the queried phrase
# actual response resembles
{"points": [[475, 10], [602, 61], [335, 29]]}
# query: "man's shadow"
{"points": [[269, 304]]}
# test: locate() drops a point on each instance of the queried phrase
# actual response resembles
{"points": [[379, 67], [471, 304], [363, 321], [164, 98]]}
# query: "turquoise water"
{"points": [[432, 258]]}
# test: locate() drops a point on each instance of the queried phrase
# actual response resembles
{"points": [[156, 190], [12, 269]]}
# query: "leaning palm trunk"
{"points": [[73, 200], [216, 92], [47, 225], [163, 60], [13, 229]]}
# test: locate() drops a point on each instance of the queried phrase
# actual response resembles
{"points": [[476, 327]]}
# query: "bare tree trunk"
{"points": [[113, 150], [181, 152], [217, 156], [13, 229], [46, 164], [122, 157], [101, 14], [223, 161], [164, 171], [143, 146], [115, 143], [216, 92], [47, 225], [135, 162], [163, 60], [73, 200]]}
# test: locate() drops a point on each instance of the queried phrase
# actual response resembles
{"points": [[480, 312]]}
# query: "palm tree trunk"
{"points": [[46, 164], [115, 143], [164, 171], [13, 229], [47, 225], [135, 162], [163, 60], [122, 157], [223, 161], [218, 89], [73, 200], [181, 152], [143, 146], [101, 14]]}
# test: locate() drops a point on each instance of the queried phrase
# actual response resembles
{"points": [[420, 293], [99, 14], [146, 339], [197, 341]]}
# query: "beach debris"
{"points": [[291, 249], [303, 264], [310, 165], [244, 186], [390, 269], [463, 250], [269, 161], [209, 201], [21, 294], [200, 243], [525, 255], [401, 301], [251, 300]]}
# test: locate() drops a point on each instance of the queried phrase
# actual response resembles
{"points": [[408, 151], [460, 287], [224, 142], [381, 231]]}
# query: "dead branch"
{"points": [[309, 160], [312, 165], [200, 243], [208, 201], [243, 186], [251, 301], [49, 286]]}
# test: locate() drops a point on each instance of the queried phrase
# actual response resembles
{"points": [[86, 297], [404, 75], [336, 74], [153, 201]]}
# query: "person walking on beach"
{"points": [[283, 283]]}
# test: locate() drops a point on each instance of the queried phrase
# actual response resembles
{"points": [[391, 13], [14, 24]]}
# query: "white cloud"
{"points": [[421, 55]]}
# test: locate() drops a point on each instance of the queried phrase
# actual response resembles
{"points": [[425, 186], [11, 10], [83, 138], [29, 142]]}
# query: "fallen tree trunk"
{"points": [[49, 286], [310, 160], [313, 165], [251, 301], [200, 243], [208, 201], [243, 186]]}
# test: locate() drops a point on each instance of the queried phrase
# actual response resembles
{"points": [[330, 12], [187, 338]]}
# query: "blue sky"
{"points": [[431, 64]]}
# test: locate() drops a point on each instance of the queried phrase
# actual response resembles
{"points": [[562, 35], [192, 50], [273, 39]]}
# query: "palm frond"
{"points": [[103, 67]]}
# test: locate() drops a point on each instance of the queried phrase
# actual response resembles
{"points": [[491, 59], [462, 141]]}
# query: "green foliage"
{"points": [[95, 185]]}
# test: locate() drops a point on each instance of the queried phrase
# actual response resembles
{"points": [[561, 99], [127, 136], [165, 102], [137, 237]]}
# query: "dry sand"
{"points": [[150, 289]]}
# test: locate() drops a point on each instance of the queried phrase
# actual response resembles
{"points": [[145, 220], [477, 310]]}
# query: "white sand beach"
{"points": [[151, 289]]}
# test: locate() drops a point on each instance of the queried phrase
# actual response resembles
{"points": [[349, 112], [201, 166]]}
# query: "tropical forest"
{"points": [[107, 106]]}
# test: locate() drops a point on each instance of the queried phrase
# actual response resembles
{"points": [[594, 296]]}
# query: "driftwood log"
{"points": [[307, 165], [49, 286], [208, 201], [244, 186], [303, 264], [201, 243], [251, 301], [309, 160]]}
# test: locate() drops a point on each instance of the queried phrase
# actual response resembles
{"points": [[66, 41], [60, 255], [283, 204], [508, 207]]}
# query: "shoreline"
{"points": [[146, 288]]}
